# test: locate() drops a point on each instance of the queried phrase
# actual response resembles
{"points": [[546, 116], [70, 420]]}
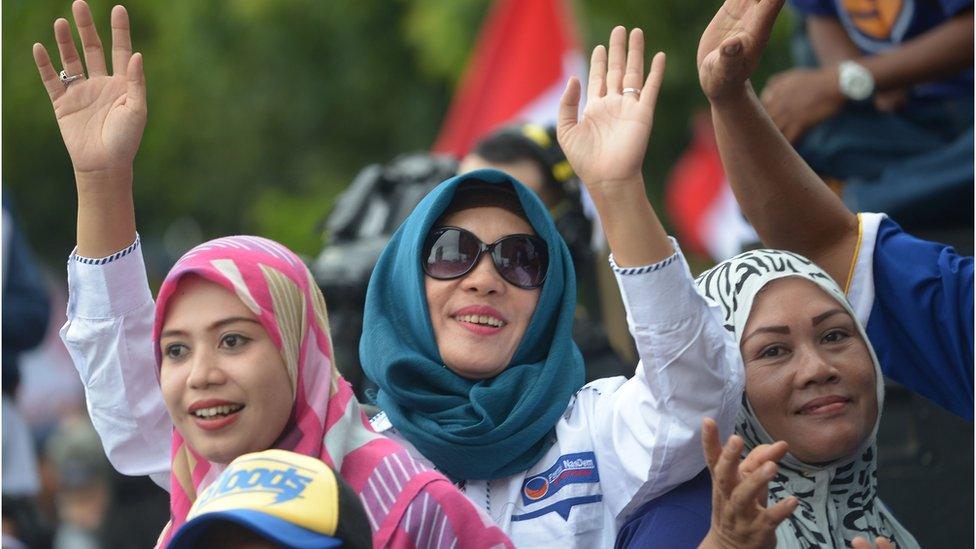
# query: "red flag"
{"points": [[700, 202], [525, 53]]}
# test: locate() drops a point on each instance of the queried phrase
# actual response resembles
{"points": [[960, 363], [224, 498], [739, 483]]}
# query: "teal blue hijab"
{"points": [[477, 430]]}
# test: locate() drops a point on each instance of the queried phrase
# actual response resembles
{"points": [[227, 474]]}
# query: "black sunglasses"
{"points": [[451, 252]]}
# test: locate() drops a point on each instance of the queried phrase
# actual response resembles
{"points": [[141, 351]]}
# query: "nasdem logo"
{"points": [[569, 469], [536, 488]]}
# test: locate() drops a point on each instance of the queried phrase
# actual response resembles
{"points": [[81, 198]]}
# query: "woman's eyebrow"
{"points": [[767, 329], [824, 316], [216, 325], [231, 320]]}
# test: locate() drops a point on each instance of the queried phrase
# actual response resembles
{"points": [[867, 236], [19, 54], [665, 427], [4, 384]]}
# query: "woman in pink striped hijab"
{"points": [[242, 343]]}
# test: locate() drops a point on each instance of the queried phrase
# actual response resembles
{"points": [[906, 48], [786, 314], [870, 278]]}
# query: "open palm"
{"points": [[608, 143], [732, 44], [101, 117]]}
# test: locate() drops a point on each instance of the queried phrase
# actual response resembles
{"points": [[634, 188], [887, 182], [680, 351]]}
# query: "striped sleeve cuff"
{"points": [[661, 292], [107, 259], [646, 268], [107, 287]]}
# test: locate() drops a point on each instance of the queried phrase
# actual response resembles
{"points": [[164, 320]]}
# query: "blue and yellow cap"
{"points": [[287, 498]]}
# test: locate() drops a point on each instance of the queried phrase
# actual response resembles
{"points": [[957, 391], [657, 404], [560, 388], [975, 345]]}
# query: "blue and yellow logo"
{"points": [[293, 487]]}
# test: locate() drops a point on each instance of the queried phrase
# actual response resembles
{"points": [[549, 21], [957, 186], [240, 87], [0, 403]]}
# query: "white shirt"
{"points": [[619, 444]]}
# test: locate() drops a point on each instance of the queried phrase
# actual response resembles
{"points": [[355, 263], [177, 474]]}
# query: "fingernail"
{"points": [[733, 49], [769, 469]]}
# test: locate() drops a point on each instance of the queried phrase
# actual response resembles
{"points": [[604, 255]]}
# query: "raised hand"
{"points": [[740, 518], [101, 117], [732, 44], [607, 145]]}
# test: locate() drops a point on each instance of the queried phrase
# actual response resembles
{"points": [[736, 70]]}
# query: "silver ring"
{"points": [[634, 91], [65, 79]]}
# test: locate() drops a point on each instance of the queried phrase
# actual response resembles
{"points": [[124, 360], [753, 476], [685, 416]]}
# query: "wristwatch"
{"points": [[855, 80]]}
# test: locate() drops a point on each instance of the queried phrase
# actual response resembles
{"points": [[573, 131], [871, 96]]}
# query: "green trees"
{"points": [[261, 111]]}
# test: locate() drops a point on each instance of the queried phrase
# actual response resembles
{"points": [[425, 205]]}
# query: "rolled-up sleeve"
{"points": [[109, 336]]}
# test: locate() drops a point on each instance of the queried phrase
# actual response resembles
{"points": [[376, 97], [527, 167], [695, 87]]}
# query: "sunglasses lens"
{"points": [[522, 260], [450, 253]]}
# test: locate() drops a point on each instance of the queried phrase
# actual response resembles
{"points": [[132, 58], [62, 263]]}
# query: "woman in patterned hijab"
{"points": [[245, 364], [813, 380]]}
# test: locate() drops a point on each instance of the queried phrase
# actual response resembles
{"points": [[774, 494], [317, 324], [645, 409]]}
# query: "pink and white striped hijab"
{"points": [[326, 420]]}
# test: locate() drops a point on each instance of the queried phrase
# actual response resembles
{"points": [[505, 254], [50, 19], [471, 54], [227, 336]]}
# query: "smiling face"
{"points": [[809, 375], [224, 381], [479, 319]]}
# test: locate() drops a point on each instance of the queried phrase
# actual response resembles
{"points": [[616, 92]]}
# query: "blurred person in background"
{"points": [[26, 308], [883, 105], [83, 484]]}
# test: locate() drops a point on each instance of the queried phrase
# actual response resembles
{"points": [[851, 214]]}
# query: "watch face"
{"points": [[860, 88], [856, 81]]}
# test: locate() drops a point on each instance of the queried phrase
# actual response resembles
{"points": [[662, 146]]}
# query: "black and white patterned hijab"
{"points": [[837, 501]]}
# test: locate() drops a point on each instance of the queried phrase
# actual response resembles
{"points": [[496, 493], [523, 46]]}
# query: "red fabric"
{"points": [[519, 55], [694, 184]]}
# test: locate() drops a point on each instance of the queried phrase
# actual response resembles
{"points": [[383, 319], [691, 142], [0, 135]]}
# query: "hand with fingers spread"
{"points": [[608, 143], [879, 542], [732, 44], [740, 518], [101, 116], [606, 146]]}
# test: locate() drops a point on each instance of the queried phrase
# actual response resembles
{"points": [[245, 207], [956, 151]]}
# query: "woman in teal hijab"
{"points": [[467, 333]]}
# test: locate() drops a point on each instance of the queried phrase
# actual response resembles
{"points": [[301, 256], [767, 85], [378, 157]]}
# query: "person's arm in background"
{"points": [[798, 99], [830, 41], [110, 309]]}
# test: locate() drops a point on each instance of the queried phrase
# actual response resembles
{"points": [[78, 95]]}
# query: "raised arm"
{"points": [[788, 204], [110, 308], [606, 146], [101, 118], [648, 426]]}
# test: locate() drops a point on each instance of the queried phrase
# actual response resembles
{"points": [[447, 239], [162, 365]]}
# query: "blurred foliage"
{"points": [[261, 111]]}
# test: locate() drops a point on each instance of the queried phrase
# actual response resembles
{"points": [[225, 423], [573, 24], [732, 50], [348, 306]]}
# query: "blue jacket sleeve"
{"points": [[678, 519], [921, 322]]}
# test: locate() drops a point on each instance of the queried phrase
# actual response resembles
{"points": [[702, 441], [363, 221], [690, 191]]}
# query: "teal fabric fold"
{"points": [[477, 430]]}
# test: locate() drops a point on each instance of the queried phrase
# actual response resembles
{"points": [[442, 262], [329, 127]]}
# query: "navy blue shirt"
{"points": [[678, 519], [876, 26]]}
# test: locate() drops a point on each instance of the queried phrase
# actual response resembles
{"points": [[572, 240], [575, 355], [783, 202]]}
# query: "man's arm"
{"points": [[788, 204], [938, 53], [829, 40], [798, 99]]}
